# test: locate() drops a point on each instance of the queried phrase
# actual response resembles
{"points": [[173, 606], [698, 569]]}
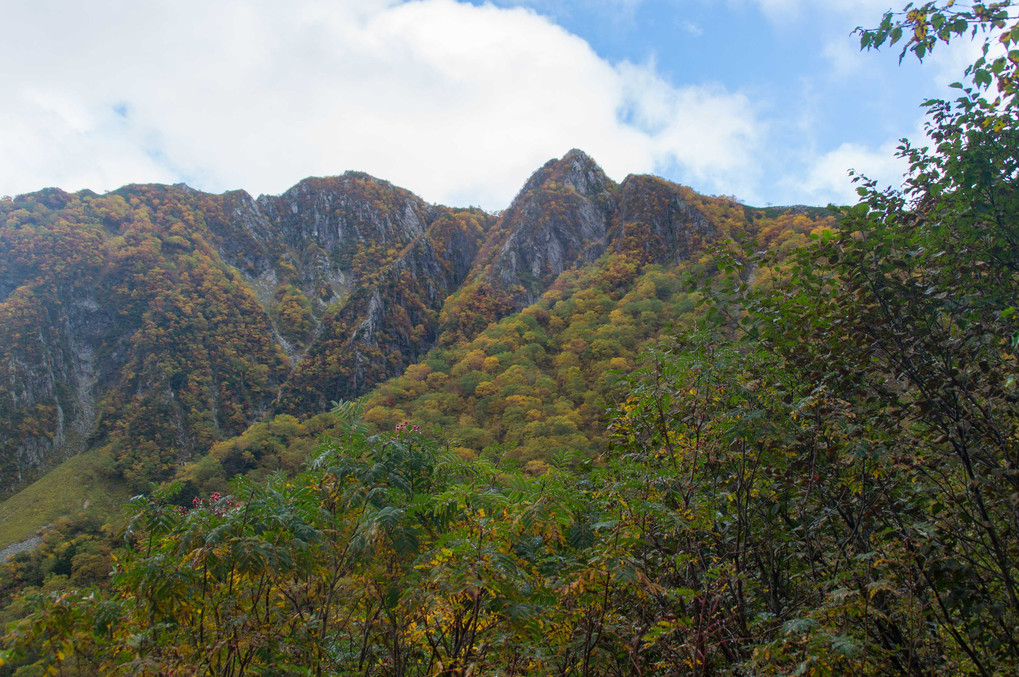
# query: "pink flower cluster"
{"points": [[400, 427]]}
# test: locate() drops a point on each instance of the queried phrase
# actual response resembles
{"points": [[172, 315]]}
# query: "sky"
{"points": [[458, 101]]}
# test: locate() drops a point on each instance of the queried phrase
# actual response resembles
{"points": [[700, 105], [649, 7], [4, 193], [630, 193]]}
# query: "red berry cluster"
{"points": [[400, 427], [219, 505]]}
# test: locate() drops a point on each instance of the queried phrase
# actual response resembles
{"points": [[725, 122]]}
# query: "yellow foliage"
{"points": [[485, 388], [465, 453], [418, 372]]}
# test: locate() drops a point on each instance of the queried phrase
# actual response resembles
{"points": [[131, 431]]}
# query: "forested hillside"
{"points": [[155, 321]]}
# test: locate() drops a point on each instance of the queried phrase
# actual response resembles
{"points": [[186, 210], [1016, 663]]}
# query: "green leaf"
{"points": [[845, 646], [799, 626]]}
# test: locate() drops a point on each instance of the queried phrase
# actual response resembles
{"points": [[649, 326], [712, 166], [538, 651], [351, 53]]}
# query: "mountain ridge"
{"points": [[154, 321]]}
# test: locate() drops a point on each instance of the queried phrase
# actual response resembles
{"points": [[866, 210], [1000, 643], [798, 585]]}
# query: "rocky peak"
{"points": [[337, 212], [576, 170], [579, 171], [559, 220]]}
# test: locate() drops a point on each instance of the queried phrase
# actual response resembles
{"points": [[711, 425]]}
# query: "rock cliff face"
{"points": [[560, 219], [155, 320], [392, 318], [324, 235], [656, 221], [53, 322]]}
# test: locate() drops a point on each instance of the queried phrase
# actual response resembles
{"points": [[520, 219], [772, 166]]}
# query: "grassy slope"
{"points": [[62, 491]]}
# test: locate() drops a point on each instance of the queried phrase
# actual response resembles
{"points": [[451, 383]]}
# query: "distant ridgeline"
{"points": [[155, 321]]}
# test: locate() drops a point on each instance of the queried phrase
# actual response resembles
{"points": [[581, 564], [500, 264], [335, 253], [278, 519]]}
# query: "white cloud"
{"points": [[845, 58], [456, 102], [827, 176], [863, 12], [691, 28], [618, 9], [710, 133]]}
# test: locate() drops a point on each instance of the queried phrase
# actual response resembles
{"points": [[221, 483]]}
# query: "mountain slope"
{"points": [[155, 321]]}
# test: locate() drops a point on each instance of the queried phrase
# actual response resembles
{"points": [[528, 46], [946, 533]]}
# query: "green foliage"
{"points": [[922, 26], [387, 555], [73, 551], [872, 421], [294, 315]]}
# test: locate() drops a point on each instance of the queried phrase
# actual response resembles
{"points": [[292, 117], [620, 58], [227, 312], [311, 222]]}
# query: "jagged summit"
{"points": [[560, 219], [576, 170], [337, 183], [579, 171]]}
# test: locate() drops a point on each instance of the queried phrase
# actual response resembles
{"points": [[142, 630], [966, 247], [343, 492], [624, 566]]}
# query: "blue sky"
{"points": [[780, 57], [768, 100]]}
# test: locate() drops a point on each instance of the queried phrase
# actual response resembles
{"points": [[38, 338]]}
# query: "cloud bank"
{"points": [[456, 102]]}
